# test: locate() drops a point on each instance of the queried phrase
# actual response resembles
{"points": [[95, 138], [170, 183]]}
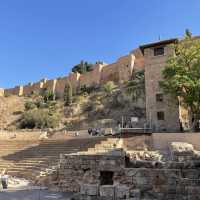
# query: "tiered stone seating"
{"points": [[28, 158]]}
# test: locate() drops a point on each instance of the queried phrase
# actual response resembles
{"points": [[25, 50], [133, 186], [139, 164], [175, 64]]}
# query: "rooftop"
{"points": [[159, 43]]}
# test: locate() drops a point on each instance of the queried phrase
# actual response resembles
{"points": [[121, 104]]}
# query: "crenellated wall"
{"points": [[18, 90], [33, 88], [74, 80], [117, 72], [60, 86], [50, 85], [93, 77]]}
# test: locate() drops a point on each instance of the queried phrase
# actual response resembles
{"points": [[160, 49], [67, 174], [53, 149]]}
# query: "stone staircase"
{"points": [[105, 147], [108, 146], [27, 159]]}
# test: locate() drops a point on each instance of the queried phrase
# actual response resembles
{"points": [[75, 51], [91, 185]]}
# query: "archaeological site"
{"points": [[110, 133]]}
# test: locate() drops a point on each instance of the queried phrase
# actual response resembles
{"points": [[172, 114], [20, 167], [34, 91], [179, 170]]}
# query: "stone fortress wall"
{"points": [[118, 72], [162, 112]]}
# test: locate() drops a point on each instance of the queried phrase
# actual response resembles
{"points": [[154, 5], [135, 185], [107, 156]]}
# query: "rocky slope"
{"points": [[97, 109], [11, 109]]}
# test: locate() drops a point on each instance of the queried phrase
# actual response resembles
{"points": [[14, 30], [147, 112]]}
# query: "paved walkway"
{"points": [[32, 195]]}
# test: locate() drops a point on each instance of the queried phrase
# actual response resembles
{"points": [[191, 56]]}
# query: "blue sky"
{"points": [[46, 38]]}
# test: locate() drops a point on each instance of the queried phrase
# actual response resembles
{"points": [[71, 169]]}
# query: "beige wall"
{"points": [[1, 92], [139, 60], [60, 86], [118, 72], [33, 88], [153, 74], [125, 67], [74, 80], [50, 85], [93, 77], [18, 90]]}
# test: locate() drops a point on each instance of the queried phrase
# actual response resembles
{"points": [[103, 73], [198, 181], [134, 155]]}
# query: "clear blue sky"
{"points": [[45, 38]]}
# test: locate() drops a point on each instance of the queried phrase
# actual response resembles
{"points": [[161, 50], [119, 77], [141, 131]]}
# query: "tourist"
{"points": [[4, 179], [76, 133], [89, 131]]}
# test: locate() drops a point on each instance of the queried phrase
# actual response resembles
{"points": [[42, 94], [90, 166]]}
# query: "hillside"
{"points": [[94, 109], [11, 109]]}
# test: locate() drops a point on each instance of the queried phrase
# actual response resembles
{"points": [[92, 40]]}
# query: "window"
{"points": [[158, 51], [161, 115], [159, 97]]}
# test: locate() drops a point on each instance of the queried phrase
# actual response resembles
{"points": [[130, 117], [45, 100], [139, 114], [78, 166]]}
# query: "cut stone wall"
{"points": [[50, 85], [60, 86], [137, 175], [74, 80], [18, 91], [93, 77], [33, 88], [118, 72], [153, 75]]}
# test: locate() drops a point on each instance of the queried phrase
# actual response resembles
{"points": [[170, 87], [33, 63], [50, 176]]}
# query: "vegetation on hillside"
{"points": [[83, 67], [136, 86], [68, 94], [40, 113], [109, 87]]}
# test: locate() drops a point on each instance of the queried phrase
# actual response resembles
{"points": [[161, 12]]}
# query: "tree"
{"points": [[68, 94], [188, 34], [83, 67], [136, 86], [48, 95], [109, 87], [182, 77]]}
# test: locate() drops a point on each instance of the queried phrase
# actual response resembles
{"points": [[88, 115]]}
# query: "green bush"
{"points": [[39, 119], [29, 105], [68, 94], [48, 95], [109, 87], [87, 89]]}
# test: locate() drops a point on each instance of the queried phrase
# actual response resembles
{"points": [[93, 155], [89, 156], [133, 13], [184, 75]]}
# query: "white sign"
{"points": [[134, 119]]}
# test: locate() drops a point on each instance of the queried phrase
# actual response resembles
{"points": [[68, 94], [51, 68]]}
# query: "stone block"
{"points": [[107, 191], [122, 192], [135, 194], [89, 189]]}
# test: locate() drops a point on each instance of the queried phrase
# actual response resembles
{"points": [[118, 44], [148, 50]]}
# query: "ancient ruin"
{"points": [[113, 170]]}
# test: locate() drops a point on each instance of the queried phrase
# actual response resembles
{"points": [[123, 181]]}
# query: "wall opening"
{"points": [[159, 97], [106, 177], [159, 51], [161, 115]]}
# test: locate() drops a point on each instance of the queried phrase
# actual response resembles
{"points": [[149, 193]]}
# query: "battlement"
{"points": [[118, 72]]}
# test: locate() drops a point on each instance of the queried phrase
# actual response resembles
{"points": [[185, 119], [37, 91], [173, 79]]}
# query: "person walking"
{"points": [[4, 179]]}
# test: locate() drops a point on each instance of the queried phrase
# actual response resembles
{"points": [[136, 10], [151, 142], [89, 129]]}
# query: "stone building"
{"points": [[162, 111]]}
